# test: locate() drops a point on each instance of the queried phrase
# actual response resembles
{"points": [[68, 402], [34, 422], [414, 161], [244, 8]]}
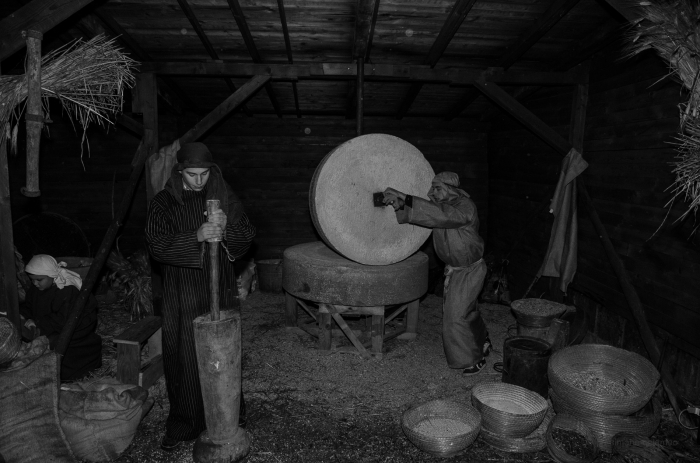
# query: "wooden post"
{"points": [[360, 94], [9, 298], [146, 102], [290, 311], [34, 117]]}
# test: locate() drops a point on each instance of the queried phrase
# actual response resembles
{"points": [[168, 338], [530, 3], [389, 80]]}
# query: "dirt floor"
{"points": [[307, 405]]}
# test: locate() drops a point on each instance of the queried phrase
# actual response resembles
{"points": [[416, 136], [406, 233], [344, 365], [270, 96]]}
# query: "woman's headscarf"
{"points": [[450, 181], [43, 264], [197, 155]]}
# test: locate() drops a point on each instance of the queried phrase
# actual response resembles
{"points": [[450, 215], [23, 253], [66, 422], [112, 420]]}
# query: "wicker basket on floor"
{"points": [[634, 378], [534, 442], [605, 427], [10, 341], [440, 446], [507, 409], [570, 423]]}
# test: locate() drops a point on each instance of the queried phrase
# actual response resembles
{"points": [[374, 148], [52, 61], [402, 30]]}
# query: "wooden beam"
{"points": [[38, 15], [296, 100], [350, 100], [583, 49], [557, 10], [360, 96], [192, 18], [562, 146], [147, 89], [288, 47], [460, 11], [34, 117], [131, 125], [626, 9], [373, 72], [408, 99], [462, 104], [365, 18], [238, 15], [226, 107]]}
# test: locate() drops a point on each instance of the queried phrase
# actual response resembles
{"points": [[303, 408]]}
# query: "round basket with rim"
{"points": [[441, 427], [571, 452], [507, 409], [602, 378], [536, 312], [10, 341], [605, 427]]}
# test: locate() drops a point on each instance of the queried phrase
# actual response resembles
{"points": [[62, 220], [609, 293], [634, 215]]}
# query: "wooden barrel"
{"points": [[341, 198]]}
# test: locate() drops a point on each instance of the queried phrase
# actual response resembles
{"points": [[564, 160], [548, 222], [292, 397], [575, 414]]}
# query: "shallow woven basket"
{"points": [[605, 427], [633, 373], [441, 446], [10, 341], [529, 318], [569, 423], [533, 442], [493, 400]]}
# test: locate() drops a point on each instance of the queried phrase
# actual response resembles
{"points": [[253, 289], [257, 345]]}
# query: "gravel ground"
{"points": [[306, 405]]}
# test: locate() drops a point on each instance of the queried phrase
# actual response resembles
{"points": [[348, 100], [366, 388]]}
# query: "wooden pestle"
{"points": [[212, 205]]}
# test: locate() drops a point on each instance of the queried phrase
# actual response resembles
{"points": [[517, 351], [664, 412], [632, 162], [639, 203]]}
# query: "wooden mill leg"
{"points": [[377, 333], [351, 336], [324, 330], [290, 310], [411, 321]]}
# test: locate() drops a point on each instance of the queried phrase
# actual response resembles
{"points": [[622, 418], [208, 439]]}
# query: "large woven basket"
{"points": [[507, 409], [10, 341], [569, 423], [605, 427], [633, 376], [441, 409], [537, 313], [534, 442]]}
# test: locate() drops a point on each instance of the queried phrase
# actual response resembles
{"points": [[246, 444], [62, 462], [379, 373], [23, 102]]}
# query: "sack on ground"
{"points": [[100, 419]]}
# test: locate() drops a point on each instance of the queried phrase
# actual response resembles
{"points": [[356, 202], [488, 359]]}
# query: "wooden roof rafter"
{"points": [[238, 15], [365, 21], [459, 12], [192, 18], [288, 47]]}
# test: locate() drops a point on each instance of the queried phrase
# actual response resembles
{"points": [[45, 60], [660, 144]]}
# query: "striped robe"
{"points": [[171, 232]]}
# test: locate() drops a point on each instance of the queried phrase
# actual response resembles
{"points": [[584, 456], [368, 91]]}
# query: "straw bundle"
{"points": [[88, 78], [670, 27]]}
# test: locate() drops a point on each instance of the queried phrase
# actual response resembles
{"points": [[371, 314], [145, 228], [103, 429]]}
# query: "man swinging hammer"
{"points": [[452, 215]]}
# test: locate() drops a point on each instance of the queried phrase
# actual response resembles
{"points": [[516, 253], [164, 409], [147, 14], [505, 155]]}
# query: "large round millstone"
{"points": [[342, 207], [314, 272]]}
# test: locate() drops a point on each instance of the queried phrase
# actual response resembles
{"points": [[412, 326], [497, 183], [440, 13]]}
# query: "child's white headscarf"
{"points": [[43, 264]]}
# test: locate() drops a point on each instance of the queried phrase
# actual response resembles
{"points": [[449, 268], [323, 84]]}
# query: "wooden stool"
{"points": [[328, 312], [129, 344]]}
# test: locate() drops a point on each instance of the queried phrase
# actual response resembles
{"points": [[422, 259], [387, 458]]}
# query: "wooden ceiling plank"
{"points": [[38, 15], [583, 49], [285, 31], [365, 17], [238, 15], [408, 100], [460, 11], [557, 10], [462, 104], [187, 10]]}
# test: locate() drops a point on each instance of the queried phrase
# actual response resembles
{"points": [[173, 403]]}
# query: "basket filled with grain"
{"points": [[569, 440], [507, 409], [441, 427], [602, 379], [605, 427], [533, 442], [537, 313]]}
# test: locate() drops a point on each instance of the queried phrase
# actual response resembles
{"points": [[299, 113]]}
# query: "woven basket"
{"points": [[569, 423], [10, 341], [635, 377], [507, 409], [626, 443], [550, 311], [534, 442], [436, 409], [605, 427]]}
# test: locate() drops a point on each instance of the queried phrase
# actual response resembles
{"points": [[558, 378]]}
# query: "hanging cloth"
{"points": [[160, 165], [43, 264], [560, 260]]}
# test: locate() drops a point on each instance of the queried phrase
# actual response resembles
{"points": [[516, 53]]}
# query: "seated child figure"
{"points": [[47, 307]]}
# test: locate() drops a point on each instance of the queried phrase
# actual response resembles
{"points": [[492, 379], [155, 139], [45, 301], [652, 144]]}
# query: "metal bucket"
{"points": [[525, 361]]}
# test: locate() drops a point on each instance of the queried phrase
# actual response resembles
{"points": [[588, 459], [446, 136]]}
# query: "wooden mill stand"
{"points": [[338, 286]]}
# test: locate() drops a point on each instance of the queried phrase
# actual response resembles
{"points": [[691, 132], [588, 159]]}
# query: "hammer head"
{"points": [[378, 199]]}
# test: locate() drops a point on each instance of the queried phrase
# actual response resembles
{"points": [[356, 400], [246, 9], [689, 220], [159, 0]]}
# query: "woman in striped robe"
{"points": [[176, 231]]}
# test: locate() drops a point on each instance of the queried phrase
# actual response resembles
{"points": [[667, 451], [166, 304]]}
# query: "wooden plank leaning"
{"points": [[562, 146]]}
